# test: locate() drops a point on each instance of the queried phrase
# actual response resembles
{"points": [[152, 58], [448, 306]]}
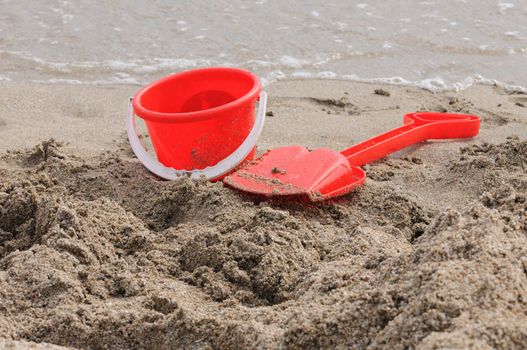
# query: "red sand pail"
{"points": [[200, 121]]}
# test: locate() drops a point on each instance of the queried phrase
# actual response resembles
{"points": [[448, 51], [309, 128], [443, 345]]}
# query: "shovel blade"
{"points": [[297, 171]]}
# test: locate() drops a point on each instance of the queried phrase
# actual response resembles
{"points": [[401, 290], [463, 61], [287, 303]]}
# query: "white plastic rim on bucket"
{"points": [[223, 167]]}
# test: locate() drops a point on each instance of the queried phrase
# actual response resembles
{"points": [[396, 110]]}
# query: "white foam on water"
{"points": [[513, 34], [432, 84], [438, 84], [435, 84], [301, 75], [60, 81], [507, 87], [327, 75], [292, 62], [272, 77], [374, 15], [110, 81], [261, 63], [139, 71], [504, 6]]}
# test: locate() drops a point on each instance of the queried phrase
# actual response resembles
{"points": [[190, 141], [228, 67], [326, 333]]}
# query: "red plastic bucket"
{"points": [[199, 117]]}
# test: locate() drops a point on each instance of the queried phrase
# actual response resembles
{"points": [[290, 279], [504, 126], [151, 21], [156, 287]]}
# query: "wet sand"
{"points": [[95, 252]]}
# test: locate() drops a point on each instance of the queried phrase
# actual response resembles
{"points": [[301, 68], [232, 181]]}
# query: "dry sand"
{"points": [[96, 253]]}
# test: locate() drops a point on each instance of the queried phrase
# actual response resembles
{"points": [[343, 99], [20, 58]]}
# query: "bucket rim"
{"points": [[174, 117]]}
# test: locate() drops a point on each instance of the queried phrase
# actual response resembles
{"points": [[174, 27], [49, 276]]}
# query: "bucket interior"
{"points": [[197, 91]]}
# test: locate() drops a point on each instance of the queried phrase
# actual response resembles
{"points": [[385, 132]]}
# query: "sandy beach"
{"points": [[97, 253]]}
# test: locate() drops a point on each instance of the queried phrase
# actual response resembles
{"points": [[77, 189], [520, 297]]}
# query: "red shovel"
{"points": [[323, 173]]}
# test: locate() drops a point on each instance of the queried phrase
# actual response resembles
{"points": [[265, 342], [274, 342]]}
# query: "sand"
{"points": [[97, 253]]}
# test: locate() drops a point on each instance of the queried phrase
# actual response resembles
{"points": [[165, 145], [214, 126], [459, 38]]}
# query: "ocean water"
{"points": [[442, 44]]}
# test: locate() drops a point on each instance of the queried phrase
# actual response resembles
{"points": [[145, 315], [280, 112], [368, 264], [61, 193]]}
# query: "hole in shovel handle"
{"points": [[445, 125], [418, 127]]}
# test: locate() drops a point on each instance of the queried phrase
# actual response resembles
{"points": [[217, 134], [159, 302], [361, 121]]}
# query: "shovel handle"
{"points": [[418, 127]]}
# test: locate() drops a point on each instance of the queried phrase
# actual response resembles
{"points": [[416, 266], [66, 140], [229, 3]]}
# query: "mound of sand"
{"points": [[98, 253]]}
